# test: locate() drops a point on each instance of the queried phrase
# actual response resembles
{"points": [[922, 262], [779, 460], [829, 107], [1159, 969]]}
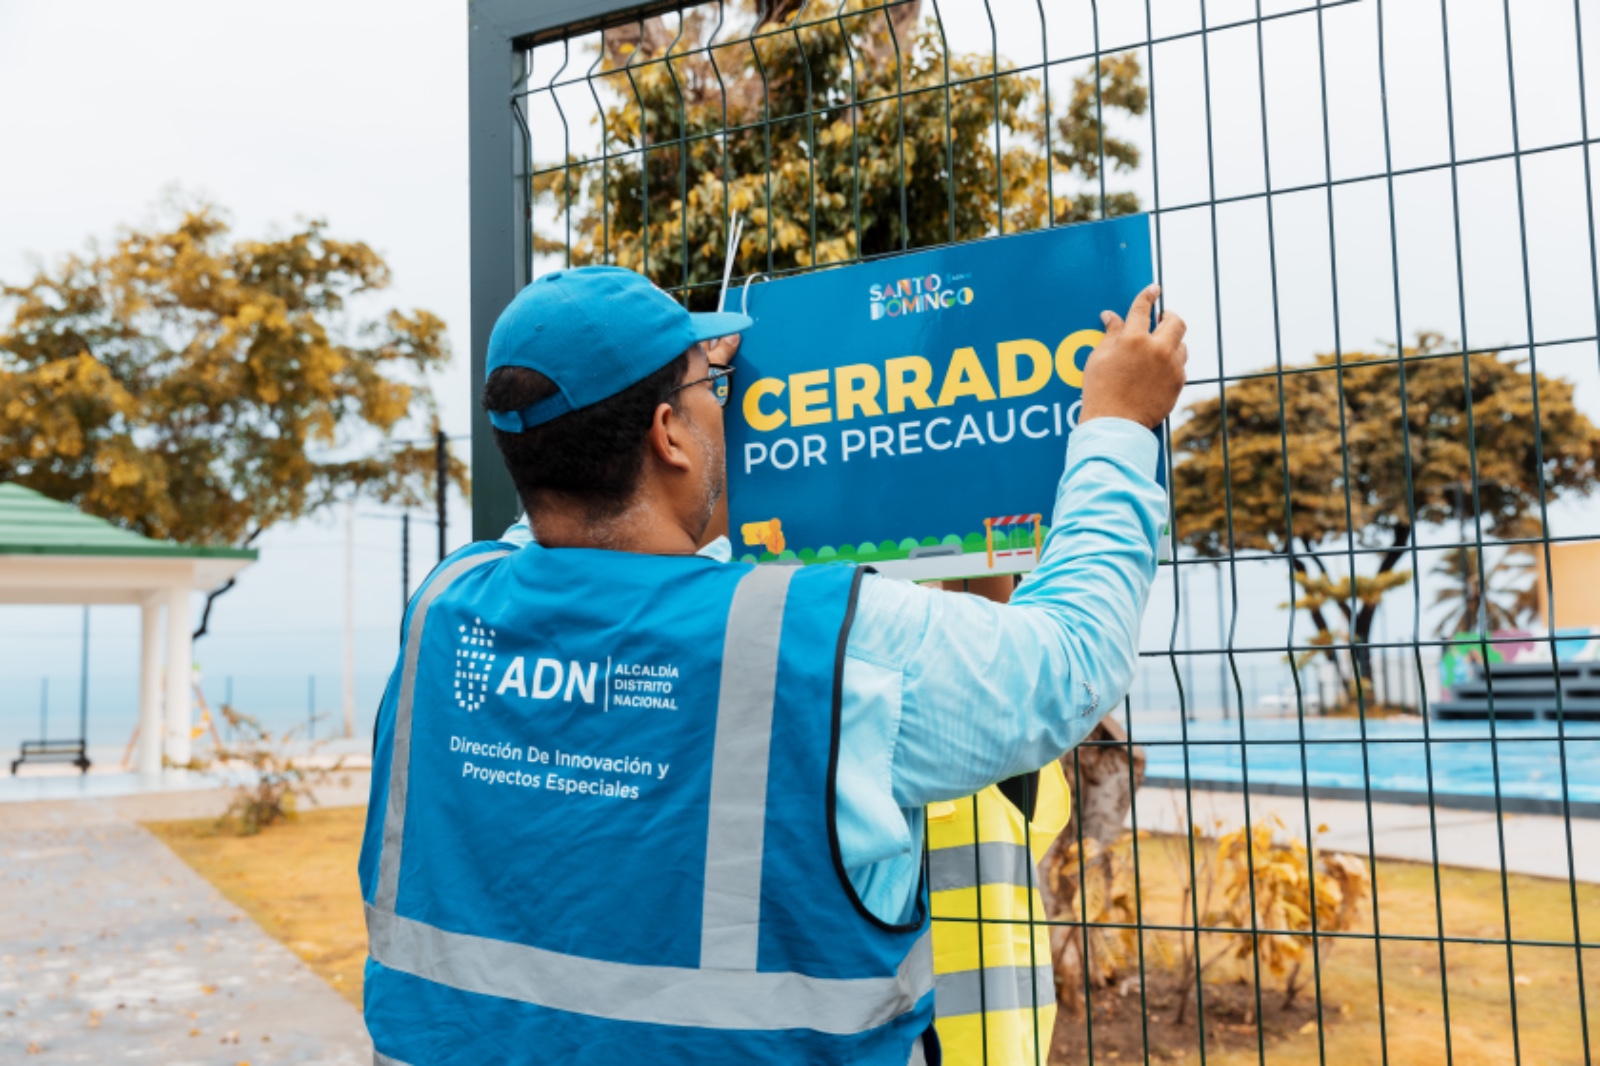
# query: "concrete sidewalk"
{"points": [[114, 950]]}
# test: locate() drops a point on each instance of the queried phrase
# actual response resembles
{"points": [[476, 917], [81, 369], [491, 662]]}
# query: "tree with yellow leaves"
{"points": [[192, 387], [837, 129], [1343, 425]]}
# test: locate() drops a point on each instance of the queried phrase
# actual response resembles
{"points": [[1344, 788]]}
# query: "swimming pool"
{"points": [[1394, 759]]}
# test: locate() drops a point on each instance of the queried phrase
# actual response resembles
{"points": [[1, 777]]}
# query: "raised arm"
{"points": [[987, 691]]}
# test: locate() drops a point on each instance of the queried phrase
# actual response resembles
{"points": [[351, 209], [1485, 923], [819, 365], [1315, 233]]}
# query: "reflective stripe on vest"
{"points": [[726, 991], [663, 995], [394, 816], [1002, 988], [730, 921], [997, 862], [995, 987], [918, 1057]]}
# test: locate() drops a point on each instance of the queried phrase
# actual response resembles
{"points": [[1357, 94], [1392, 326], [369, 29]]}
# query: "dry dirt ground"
{"points": [[1410, 1025]]}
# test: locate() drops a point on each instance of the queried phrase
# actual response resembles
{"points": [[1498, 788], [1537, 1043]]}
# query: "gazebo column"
{"points": [[150, 722], [180, 666]]}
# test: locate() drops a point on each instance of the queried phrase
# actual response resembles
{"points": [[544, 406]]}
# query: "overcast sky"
{"points": [[354, 111], [350, 111]]}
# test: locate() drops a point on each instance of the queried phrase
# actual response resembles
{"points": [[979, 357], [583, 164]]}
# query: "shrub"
{"points": [[279, 779], [1096, 939]]}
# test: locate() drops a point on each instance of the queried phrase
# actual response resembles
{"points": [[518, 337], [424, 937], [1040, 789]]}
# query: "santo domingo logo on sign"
{"points": [[474, 657], [910, 296]]}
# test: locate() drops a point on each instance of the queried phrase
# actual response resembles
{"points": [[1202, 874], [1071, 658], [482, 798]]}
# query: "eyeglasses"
{"points": [[721, 387]]}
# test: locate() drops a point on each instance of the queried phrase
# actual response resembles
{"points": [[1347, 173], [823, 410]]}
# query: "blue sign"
{"points": [[913, 412]]}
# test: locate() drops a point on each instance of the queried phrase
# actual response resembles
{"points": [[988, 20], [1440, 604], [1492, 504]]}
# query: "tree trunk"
{"points": [[902, 24], [1367, 614], [1320, 620], [650, 38], [1103, 787]]}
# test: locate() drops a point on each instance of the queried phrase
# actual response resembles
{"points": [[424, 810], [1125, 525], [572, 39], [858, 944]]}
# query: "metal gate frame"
{"points": [[497, 31]]}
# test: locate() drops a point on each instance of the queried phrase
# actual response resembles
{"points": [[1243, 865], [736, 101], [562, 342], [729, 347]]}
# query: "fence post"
{"points": [[441, 458], [1188, 641], [83, 685], [1222, 658]]}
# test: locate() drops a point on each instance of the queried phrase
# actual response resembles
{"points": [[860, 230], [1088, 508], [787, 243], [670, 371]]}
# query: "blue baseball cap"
{"points": [[593, 331]]}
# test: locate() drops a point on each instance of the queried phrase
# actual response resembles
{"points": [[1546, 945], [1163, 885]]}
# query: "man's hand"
{"points": [[1136, 373], [723, 349]]}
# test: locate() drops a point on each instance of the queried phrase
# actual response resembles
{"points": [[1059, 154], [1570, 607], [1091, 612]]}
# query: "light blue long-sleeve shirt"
{"points": [[945, 694]]}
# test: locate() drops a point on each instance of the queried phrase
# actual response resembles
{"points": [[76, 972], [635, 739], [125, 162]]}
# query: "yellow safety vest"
{"points": [[996, 988]]}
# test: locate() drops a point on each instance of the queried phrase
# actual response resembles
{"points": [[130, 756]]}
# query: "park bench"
{"points": [[73, 751]]}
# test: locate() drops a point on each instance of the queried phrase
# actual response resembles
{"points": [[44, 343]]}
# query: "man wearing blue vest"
{"points": [[635, 803]]}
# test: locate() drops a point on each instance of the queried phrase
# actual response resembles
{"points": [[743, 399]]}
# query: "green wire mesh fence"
{"points": [[1353, 818]]}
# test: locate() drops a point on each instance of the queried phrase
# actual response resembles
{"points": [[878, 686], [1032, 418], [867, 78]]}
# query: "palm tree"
{"points": [[1511, 597]]}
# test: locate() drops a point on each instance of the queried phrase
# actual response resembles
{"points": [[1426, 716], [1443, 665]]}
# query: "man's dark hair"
{"points": [[593, 455]]}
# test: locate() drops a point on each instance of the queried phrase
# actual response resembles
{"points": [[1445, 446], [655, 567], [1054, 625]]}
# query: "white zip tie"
{"points": [[727, 260], [744, 299]]}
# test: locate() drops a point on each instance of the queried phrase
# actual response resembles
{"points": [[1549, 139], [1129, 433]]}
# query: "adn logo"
{"points": [[474, 656], [910, 296], [549, 678]]}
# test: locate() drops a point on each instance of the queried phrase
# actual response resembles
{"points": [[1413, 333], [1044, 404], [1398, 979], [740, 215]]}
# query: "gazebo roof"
{"points": [[33, 524]]}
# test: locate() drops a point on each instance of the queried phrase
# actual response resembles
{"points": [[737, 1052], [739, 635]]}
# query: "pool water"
{"points": [[1528, 755]]}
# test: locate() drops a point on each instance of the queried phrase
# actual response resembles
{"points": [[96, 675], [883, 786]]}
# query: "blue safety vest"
{"points": [[602, 820]]}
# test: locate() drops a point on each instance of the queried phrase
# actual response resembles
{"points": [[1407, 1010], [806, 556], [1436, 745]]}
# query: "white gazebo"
{"points": [[50, 552]]}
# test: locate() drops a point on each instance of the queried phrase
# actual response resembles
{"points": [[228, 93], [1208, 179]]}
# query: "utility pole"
{"points": [[405, 554], [441, 474], [350, 619], [405, 562]]}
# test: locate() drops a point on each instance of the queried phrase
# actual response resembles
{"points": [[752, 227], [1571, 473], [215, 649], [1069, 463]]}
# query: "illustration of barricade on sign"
{"points": [[1010, 522], [768, 534]]}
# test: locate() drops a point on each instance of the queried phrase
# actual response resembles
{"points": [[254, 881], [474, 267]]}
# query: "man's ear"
{"points": [[668, 438]]}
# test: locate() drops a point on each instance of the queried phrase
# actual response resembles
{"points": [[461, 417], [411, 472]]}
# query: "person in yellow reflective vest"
{"points": [[994, 984]]}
